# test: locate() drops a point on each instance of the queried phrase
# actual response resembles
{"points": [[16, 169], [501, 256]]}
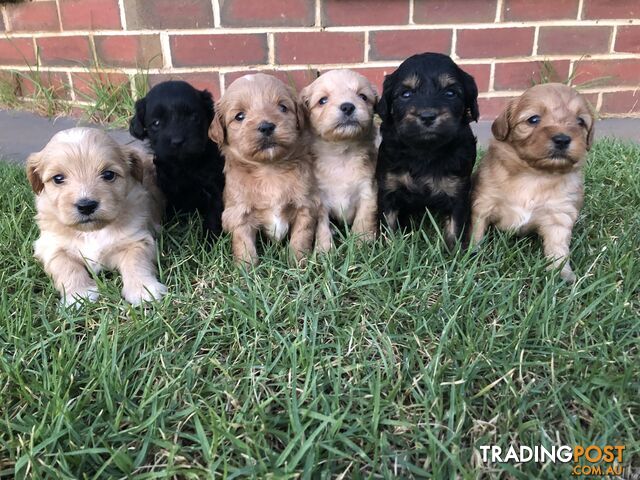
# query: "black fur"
{"points": [[444, 151], [175, 117]]}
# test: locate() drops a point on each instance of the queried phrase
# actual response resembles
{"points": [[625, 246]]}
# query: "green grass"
{"points": [[386, 361]]}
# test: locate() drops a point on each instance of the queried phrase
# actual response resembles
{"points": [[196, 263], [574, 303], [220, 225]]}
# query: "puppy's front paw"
{"points": [[324, 244], [567, 274], [144, 292], [78, 298]]}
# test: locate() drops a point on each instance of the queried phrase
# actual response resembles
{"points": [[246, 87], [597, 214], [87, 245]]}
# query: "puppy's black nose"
{"points": [[177, 141], [561, 141], [86, 206], [266, 128], [428, 117], [347, 108]]}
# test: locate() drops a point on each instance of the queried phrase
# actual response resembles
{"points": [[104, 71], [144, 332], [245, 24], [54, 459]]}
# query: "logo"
{"points": [[591, 460]]}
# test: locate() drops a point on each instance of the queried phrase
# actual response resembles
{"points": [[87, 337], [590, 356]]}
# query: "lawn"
{"points": [[393, 360]]}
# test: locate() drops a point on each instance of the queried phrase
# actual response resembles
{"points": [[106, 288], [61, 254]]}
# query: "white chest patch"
{"points": [[93, 247], [278, 227]]}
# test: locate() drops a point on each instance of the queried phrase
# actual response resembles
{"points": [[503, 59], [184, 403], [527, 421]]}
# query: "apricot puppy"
{"points": [[531, 179], [97, 208], [340, 105], [269, 187]]}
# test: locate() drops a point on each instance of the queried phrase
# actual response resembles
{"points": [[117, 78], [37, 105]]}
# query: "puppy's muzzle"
{"points": [[86, 206], [348, 108], [561, 141], [266, 128], [427, 117]]}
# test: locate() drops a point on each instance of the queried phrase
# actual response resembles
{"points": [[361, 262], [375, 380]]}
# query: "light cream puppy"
{"points": [[531, 178], [98, 207], [340, 104]]}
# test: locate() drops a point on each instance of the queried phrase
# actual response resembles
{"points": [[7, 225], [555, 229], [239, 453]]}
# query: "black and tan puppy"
{"points": [[427, 150], [175, 117]]}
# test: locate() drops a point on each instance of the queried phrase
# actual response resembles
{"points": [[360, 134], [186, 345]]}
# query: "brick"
{"points": [[161, 14], [621, 103], [480, 73], [34, 16], [608, 72], [454, 11], [17, 51], [399, 44], [85, 83], [376, 75], [64, 51], [574, 40], [599, 9], [267, 13], [218, 50], [365, 12], [142, 51], [202, 81], [495, 42], [522, 75], [57, 83], [90, 15], [527, 10], [628, 39], [296, 79], [319, 47], [490, 108]]}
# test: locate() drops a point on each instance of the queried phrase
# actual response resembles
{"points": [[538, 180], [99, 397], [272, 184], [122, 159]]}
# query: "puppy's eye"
{"points": [[108, 176], [533, 120], [239, 116], [363, 97], [283, 108], [323, 100], [155, 123], [581, 122], [406, 93], [450, 93], [58, 179]]}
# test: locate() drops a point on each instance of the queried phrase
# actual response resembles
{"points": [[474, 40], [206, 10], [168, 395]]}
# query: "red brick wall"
{"points": [[503, 43]]}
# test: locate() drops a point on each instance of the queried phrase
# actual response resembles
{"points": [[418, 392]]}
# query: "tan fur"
{"points": [[345, 155], [519, 187], [121, 232], [446, 185], [271, 189]]}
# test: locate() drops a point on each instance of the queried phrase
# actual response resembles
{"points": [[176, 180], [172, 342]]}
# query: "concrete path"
{"points": [[22, 133]]}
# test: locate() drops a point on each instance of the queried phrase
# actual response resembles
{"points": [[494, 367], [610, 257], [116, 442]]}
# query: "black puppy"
{"points": [[175, 117], [428, 149]]}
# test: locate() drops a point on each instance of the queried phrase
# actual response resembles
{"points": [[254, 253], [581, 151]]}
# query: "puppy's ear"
{"points": [[207, 101], [502, 124], [134, 160], [33, 162], [470, 97], [301, 115], [136, 126], [217, 129], [383, 107], [376, 97], [590, 133]]}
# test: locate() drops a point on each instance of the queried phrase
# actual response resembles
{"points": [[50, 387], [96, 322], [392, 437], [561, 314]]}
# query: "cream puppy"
{"points": [[531, 178], [269, 184], [340, 106], [98, 207]]}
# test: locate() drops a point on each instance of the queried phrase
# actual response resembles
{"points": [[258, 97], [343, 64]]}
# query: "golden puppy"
{"points": [[530, 179], [94, 212], [340, 105], [269, 182]]}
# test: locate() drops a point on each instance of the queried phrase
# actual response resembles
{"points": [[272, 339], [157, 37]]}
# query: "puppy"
{"points": [[269, 170], [340, 105], [175, 117], [428, 150], [97, 208], [530, 179]]}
